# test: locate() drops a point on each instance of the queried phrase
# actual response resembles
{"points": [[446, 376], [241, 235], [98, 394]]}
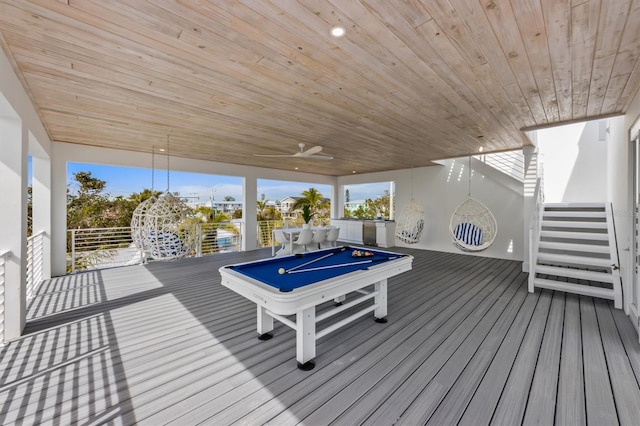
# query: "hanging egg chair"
{"points": [[137, 223], [410, 224], [168, 232], [472, 226]]}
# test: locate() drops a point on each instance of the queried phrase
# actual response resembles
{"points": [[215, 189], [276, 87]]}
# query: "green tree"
{"points": [[315, 200]]}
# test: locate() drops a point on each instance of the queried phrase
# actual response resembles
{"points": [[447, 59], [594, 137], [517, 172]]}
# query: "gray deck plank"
{"points": [[483, 403], [600, 404], [510, 409], [623, 380], [166, 343], [570, 408], [541, 406], [416, 398], [395, 392]]}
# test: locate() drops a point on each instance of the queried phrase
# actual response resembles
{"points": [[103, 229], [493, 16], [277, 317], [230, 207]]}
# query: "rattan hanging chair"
{"points": [[138, 217], [168, 232], [410, 224], [162, 227], [472, 226]]}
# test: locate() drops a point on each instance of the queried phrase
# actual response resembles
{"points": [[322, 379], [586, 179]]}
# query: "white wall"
{"points": [[619, 191], [574, 159], [440, 189]]}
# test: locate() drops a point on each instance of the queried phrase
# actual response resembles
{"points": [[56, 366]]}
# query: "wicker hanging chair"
{"points": [[137, 224], [166, 228], [161, 227], [472, 225], [410, 224]]}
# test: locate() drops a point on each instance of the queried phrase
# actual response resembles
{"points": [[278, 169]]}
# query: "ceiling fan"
{"points": [[309, 153]]}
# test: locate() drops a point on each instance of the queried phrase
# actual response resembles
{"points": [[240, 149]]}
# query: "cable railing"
{"points": [[100, 248], [510, 163], [4, 256], [35, 259]]}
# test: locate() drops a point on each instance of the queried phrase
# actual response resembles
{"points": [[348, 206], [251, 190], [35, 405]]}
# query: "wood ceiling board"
{"points": [[412, 81]]}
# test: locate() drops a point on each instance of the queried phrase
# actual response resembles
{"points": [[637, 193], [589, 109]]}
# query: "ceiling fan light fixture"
{"points": [[338, 31]]}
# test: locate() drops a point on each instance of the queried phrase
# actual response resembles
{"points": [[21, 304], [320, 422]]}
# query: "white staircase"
{"points": [[574, 250]]}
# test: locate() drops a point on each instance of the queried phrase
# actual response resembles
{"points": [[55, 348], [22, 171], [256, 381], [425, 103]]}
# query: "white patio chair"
{"points": [[319, 237], [332, 237], [300, 244]]}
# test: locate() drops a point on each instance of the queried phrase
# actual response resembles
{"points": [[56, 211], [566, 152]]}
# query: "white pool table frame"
{"points": [[272, 303]]}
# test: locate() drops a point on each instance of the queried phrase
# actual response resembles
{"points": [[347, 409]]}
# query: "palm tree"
{"points": [[314, 199]]}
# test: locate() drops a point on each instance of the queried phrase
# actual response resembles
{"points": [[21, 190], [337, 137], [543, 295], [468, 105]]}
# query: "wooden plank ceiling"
{"points": [[412, 81]]}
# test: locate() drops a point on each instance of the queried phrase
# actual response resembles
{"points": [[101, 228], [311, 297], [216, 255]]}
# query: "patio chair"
{"points": [[319, 237], [300, 244]]}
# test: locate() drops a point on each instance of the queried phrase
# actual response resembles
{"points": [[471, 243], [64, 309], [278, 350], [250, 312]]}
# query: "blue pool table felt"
{"points": [[267, 271]]}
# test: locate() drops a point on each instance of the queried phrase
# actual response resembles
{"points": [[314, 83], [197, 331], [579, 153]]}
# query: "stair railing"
{"points": [[613, 247], [535, 227]]}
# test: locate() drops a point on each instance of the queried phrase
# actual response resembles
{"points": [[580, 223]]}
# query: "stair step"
{"points": [[567, 206], [573, 260], [586, 248], [583, 289], [574, 235], [575, 214], [573, 224], [579, 274]]}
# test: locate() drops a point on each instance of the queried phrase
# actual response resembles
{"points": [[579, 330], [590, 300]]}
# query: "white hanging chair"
{"points": [[167, 230], [410, 224], [138, 217], [473, 226]]}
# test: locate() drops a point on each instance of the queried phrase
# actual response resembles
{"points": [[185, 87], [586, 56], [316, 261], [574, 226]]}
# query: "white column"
{"points": [[249, 213], [337, 201], [14, 144], [529, 202], [58, 212], [41, 199]]}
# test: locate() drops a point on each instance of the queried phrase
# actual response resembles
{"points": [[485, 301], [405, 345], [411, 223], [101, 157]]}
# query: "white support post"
{"points": [[265, 321], [13, 218], [306, 337], [249, 214], [380, 300]]}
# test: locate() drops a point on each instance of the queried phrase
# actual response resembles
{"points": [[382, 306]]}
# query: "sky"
{"points": [[201, 187]]}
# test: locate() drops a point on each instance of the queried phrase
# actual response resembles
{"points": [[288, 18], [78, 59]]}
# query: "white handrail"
{"points": [[3, 260], [35, 260], [535, 224]]}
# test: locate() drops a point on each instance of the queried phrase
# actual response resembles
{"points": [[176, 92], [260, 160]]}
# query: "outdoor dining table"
{"points": [[292, 232]]}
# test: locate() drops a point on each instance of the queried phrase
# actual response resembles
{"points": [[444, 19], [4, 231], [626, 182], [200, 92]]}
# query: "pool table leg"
{"points": [[306, 338], [380, 300], [265, 324]]}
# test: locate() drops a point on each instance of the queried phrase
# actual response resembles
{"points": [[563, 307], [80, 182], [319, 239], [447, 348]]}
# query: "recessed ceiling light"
{"points": [[353, 171], [338, 31], [161, 149], [296, 168], [481, 149]]}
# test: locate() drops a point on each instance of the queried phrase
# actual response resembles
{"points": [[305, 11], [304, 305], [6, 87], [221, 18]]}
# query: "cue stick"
{"points": [[314, 260], [318, 268]]}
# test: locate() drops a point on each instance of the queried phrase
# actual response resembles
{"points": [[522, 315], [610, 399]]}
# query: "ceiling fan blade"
{"points": [[320, 157], [313, 150], [274, 155]]}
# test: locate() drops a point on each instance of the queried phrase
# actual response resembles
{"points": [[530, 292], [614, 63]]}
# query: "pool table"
{"points": [[296, 284]]}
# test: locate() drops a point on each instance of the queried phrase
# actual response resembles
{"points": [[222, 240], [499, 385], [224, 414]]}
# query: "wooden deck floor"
{"points": [[465, 344]]}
